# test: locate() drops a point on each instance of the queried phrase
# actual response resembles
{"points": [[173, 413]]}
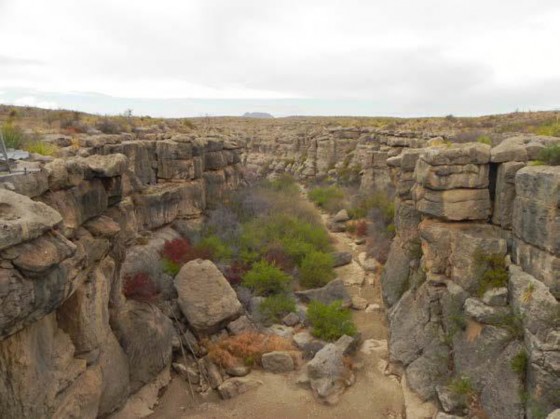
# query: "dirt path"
{"points": [[373, 395]]}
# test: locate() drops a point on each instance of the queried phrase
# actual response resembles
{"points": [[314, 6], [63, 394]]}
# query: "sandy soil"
{"points": [[373, 395]]}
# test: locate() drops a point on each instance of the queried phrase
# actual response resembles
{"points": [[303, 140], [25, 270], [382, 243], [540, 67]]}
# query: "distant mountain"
{"points": [[257, 115]]}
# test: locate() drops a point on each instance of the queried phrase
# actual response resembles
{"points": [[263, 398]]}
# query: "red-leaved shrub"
{"points": [[361, 228], [140, 287], [235, 271], [176, 250], [277, 256]]}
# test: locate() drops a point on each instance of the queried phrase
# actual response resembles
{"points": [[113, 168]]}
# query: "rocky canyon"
{"points": [[461, 318]]}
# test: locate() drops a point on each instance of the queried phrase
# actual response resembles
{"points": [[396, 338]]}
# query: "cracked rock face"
{"points": [[73, 343]]}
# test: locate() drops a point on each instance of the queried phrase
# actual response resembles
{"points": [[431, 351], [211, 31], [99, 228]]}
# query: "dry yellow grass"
{"points": [[474, 329]]}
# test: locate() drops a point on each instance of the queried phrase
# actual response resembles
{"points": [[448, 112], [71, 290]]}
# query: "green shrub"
{"points": [[484, 139], [550, 155], [462, 386], [493, 272], [284, 183], [275, 307], [349, 175], [215, 247], [295, 237], [519, 363], [550, 128], [13, 136], [329, 322], [265, 279], [330, 198], [512, 322], [380, 201], [170, 267], [316, 269]]}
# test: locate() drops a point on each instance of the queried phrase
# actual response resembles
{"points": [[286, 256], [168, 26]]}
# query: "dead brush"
{"points": [[246, 348]]}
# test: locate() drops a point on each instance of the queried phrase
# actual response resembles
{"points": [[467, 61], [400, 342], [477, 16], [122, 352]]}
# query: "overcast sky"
{"points": [[362, 57]]}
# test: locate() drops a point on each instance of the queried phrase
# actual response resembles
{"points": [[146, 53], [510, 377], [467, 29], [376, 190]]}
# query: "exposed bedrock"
{"points": [[71, 343], [471, 283], [475, 308]]}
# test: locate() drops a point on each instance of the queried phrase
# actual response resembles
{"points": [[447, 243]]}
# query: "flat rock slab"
{"points": [[22, 219]]}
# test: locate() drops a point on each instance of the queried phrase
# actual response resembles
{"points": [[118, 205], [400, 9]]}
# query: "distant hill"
{"points": [[257, 115]]}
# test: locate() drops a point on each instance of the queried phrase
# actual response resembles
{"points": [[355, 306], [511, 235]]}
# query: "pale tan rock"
{"points": [[454, 204], [31, 379], [235, 386], [205, 297], [22, 219]]}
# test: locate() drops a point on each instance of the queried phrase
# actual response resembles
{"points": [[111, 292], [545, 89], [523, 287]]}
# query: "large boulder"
{"points": [[278, 361], [328, 375], [205, 297]]}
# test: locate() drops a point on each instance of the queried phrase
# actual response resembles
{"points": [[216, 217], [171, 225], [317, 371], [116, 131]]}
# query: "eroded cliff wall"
{"points": [[466, 214], [71, 344]]}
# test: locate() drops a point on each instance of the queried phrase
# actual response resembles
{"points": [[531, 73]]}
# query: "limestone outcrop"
{"points": [[471, 283], [75, 339], [462, 304]]}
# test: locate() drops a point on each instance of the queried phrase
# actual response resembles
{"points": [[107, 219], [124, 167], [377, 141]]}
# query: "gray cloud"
{"points": [[399, 57]]}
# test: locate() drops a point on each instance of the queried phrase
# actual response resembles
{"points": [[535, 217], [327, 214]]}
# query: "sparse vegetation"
{"points": [[41, 147], [379, 201], [550, 155], [275, 307], [13, 136], [215, 248], [484, 139], [316, 269], [329, 198], [513, 322], [551, 128], [462, 386], [329, 322], [266, 279], [519, 364], [492, 271]]}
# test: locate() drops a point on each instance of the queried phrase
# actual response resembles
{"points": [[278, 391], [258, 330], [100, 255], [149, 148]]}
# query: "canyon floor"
{"points": [[373, 395]]}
